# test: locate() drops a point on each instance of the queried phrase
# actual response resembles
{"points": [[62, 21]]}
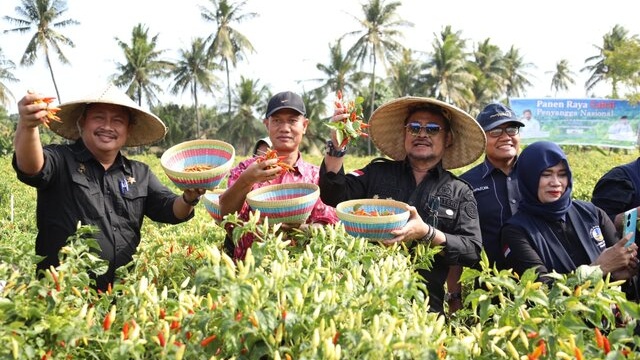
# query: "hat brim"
{"points": [[387, 131], [500, 122], [145, 128]]}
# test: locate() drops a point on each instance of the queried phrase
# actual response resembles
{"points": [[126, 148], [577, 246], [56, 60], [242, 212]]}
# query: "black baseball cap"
{"points": [[496, 114], [285, 100]]}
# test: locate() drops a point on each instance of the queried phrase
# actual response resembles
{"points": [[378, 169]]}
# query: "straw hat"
{"points": [[145, 129], [387, 131]]}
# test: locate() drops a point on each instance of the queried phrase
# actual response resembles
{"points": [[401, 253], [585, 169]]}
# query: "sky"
{"points": [[292, 36]]}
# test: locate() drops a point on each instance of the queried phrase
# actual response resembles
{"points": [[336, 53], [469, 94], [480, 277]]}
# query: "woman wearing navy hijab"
{"points": [[552, 232]]}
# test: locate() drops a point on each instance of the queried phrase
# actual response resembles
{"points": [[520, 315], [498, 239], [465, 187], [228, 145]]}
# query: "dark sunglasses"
{"points": [[510, 130], [430, 128]]}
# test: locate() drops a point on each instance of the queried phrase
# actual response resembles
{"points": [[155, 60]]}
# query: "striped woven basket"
{"points": [[284, 203], [376, 227], [216, 154], [212, 204]]}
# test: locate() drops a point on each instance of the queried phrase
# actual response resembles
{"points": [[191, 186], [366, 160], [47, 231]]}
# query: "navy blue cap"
{"points": [[496, 114], [285, 100]]}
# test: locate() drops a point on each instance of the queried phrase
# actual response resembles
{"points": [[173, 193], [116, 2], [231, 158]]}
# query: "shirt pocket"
{"points": [[133, 202], [88, 197], [386, 190], [446, 213]]}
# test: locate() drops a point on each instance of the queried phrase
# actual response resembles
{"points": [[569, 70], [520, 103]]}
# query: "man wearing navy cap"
{"points": [[494, 184], [494, 181]]}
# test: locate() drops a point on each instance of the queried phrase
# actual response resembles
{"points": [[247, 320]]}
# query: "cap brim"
{"points": [[283, 107], [146, 128], [387, 131], [500, 122]]}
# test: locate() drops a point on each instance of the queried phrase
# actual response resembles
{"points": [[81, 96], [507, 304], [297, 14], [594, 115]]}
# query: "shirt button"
{"points": [[114, 228], [513, 201], [508, 178]]}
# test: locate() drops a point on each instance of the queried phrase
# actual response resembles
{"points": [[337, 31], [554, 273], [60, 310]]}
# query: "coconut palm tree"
{"points": [[246, 124], [596, 65], [339, 74], [516, 75], [378, 39], [6, 76], [404, 75], [226, 43], [42, 17], [488, 68], [448, 76], [143, 65], [193, 71], [624, 68], [562, 77]]}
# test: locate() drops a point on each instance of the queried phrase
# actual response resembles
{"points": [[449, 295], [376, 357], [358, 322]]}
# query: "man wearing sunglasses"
{"points": [[424, 138]]}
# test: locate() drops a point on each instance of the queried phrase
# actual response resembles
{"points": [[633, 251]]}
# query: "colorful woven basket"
{"points": [[284, 203], [376, 227], [212, 204], [211, 153]]}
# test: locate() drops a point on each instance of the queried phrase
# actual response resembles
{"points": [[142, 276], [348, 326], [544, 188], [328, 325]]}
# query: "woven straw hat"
{"points": [[146, 128], [387, 131]]}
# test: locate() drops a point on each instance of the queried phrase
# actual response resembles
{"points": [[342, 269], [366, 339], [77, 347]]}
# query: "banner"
{"points": [[598, 122]]}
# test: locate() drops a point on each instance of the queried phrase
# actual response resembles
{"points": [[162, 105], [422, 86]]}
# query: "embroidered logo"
{"points": [[596, 235], [480, 188]]}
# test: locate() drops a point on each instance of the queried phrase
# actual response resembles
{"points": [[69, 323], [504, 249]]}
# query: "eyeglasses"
{"points": [[510, 130], [430, 128]]}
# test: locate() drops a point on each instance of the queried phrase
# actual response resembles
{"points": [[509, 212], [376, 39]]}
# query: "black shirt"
{"points": [[74, 187], [457, 215]]}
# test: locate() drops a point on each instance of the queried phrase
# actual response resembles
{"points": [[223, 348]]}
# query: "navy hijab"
{"points": [[533, 160]]}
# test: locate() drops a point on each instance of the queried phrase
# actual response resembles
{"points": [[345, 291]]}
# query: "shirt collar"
{"points": [[83, 155], [489, 168]]}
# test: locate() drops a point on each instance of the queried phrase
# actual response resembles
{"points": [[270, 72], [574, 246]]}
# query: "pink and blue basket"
{"points": [[284, 203], [218, 154], [372, 227], [211, 200]]}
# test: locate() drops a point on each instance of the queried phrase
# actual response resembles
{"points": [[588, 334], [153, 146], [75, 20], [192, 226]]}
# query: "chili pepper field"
{"points": [[319, 294]]}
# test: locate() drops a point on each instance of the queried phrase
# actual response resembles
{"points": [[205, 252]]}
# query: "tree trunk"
{"points": [[53, 78], [195, 102]]}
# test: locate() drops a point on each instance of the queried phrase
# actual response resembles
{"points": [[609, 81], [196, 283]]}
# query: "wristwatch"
{"points": [[193, 202], [333, 152]]}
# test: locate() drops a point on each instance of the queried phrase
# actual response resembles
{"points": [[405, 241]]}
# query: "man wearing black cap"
{"points": [[286, 124]]}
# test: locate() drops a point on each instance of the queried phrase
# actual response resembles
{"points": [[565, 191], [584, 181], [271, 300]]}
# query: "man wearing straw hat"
{"points": [[90, 181], [286, 124], [424, 138]]}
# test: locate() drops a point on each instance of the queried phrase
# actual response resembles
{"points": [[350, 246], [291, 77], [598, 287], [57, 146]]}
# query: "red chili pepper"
{"points": [[578, 353], [336, 336], [163, 341], [239, 316], [207, 340], [125, 330], [606, 345]]}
